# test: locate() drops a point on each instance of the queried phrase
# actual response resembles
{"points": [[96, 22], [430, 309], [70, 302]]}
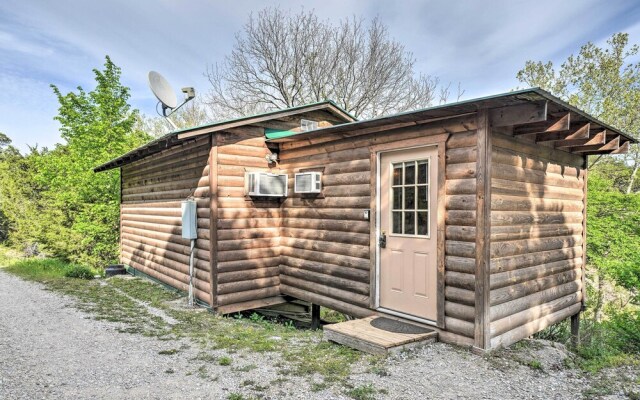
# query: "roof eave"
{"points": [[218, 126]]}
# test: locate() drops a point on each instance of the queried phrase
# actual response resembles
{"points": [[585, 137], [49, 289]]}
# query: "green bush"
{"points": [[79, 272], [625, 331]]}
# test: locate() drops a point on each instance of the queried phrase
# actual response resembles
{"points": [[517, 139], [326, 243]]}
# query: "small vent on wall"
{"points": [[308, 125]]}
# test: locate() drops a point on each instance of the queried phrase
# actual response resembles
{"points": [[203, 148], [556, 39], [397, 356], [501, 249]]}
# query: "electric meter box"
{"points": [[189, 220]]}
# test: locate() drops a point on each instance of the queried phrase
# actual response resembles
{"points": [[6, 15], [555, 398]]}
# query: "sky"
{"points": [[480, 44]]}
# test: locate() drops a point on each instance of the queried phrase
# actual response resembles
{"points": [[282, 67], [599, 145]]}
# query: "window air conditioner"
{"points": [[265, 184], [308, 182]]}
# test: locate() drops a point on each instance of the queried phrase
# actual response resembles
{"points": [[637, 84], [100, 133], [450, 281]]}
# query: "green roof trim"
{"points": [[278, 133]]}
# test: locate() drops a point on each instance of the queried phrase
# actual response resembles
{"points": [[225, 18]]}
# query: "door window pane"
{"points": [[397, 198], [423, 200], [409, 173], [409, 223], [410, 198], [397, 222], [423, 223], [423, 171], [397, 174]]}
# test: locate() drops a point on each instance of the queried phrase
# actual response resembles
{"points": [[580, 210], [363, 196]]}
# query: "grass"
{"points": [[225, 361], [117, 300], [535, 364], [365, 392], [169, 352]]}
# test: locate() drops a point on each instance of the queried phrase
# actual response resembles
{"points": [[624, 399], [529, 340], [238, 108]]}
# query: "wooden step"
{"points": [[359, 334]]}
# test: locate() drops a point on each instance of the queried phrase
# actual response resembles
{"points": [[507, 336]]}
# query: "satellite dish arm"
{"points": [[190, 94]]}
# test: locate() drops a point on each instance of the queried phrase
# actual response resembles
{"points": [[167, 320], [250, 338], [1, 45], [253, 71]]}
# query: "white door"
{"points": [[408, 231]]}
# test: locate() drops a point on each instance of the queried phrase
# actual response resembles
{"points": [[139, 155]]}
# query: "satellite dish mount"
{"points": [[167, 97]]}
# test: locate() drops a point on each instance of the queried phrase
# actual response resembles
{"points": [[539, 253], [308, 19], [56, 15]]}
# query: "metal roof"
{"points": [[453, 109]]}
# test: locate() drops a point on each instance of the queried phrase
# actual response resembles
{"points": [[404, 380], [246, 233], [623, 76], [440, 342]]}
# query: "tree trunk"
{"points": [[597, 311], [632, 180]]}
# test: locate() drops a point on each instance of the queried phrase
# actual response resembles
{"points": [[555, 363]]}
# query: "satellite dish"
{"points": [[162, 90], [167, 97]]}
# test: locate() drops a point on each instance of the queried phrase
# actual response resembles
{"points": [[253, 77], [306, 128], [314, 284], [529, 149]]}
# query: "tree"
{"points": [[616, 252], [80, 209], [602, 82], [282, 60], [18, 195]]}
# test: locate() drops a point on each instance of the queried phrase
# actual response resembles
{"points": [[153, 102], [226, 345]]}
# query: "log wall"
{"points": [[317, 247], [325, 244], [537, 201], [460, 232], [150, 216], [248, 230], [325, 239]]}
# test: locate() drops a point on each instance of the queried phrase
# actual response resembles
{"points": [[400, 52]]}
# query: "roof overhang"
{"points": [[567, 127], [176, 137]]}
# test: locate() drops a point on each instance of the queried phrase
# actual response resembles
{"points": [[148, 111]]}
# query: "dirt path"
{"points": [[48, 349]]}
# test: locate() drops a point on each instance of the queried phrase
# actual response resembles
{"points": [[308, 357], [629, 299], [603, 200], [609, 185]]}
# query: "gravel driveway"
{"points": [[48, 349]]}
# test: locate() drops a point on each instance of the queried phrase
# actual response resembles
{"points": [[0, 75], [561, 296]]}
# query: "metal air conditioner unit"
{"points": [[265, 184], [308, 182]]}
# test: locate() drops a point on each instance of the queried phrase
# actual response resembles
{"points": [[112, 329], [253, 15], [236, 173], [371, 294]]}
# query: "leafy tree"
{"points": [[18, 195], [4, 141], [602, 82], [613, 226], [283, 59], [81, 208]]}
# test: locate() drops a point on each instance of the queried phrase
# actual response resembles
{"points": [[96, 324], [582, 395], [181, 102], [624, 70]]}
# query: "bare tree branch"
{"points": [[282, 59]]}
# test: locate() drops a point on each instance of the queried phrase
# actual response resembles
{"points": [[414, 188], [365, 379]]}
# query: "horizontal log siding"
{"points": [[248, 230], [151, 224], [536, 238], [460, 239], [325, 239]]}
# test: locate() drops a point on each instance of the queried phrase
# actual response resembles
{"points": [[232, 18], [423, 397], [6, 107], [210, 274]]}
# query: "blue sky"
{"points": [[481, 44]]}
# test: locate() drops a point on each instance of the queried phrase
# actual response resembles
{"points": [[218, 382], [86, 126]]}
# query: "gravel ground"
{"points": [[48, 349]]}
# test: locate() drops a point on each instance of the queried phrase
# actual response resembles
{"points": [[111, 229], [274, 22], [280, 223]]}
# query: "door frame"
{"points": [[439, 141]]}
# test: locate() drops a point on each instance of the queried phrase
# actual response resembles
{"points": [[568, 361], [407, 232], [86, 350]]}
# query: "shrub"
{"points": [[79, 272], [626, 331]]}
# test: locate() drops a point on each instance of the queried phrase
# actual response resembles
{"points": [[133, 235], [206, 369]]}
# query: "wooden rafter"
{"points": [[576, 132], [610, 145], [554, 124], [597, 138], [623, 149]]}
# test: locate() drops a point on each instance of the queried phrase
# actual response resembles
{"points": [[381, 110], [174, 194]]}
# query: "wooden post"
{"points": [[575, 329], [584, 234], [483, 233], [315, 316], [213, 218]]}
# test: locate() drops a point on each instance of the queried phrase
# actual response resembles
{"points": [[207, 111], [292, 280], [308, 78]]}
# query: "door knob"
{"points": [[382, 240]]}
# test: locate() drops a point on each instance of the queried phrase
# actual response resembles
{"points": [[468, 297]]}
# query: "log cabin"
{"points": [[466, 217]]}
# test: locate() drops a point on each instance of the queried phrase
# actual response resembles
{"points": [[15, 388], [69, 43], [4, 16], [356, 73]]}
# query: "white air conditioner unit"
{"points": [[308, 182], [265, 184]]}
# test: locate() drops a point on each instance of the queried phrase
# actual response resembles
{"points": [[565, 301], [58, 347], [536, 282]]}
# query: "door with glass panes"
{"points": [[408, 232]]}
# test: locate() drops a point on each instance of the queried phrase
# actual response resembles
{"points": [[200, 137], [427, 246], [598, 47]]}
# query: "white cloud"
{"points": [[480, 44], [10, 42]]}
